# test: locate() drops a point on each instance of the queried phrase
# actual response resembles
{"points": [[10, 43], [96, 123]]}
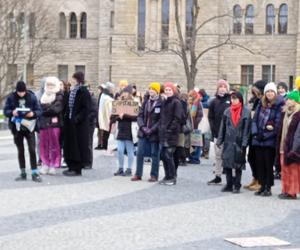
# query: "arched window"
{"points": [[73, 25], [249, 20], [237, 19], [12, 25], [62, 25], [283, 19], [21, 24], [83, 24], [270, 19], [141, 24], [165, 24]]}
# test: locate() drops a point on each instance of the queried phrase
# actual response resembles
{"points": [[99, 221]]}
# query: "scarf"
{"points": [[72, 98], [235, 111], [286, 123]]}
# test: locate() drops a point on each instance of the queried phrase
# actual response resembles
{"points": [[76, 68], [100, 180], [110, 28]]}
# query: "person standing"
{"points": [[265, 126], [169, 129], [215, 113], [50, 122], [22, 109], [282, 89], [76, 127], [288, 146], [234, 135], [148, 121]]}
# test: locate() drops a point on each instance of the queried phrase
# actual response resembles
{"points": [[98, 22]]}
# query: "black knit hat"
{"points": [[260, 85], [79, 76], [238, 95], [21, 86], [127, 89], [283, 85]]}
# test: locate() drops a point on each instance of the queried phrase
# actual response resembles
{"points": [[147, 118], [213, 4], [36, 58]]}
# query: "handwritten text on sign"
{"points": [[125, 107]]}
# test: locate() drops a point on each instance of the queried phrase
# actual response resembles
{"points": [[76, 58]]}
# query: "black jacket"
{"points": [[149, 119], [52, 116], [216, 111], [76, 129], [124, 126], [13, 102], [170, 121]]}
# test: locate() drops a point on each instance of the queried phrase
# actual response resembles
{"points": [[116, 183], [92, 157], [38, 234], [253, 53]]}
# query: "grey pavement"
{"points": [[99, 211]]}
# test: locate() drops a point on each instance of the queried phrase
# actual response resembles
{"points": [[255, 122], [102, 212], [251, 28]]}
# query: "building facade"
{"points": [[131, 39]]}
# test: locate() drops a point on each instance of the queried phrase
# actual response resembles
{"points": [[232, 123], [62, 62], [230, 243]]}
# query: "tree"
{"points": [[24, 39]]}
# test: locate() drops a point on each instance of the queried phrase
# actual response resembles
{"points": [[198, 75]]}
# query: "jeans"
{"points": [[195, 156], [167, 157], [145, 146], [122, 144], [233, 177], [19, 141], [219, 161]]}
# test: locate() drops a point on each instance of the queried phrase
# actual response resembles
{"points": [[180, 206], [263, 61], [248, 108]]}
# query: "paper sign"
{"points": [[125, 107], [257, 241]]}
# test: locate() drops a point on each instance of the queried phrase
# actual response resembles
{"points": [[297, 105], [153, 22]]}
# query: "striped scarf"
{"points": [[72, 98]]}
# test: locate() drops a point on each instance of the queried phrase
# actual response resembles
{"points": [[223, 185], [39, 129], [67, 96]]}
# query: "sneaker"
{"points": [[128, 172], [52, 171], [286, 196], [71, 173], [236, 191], [267, 193], [216, 181], [21, 177], [162, 181], [170, 182], [260, 191], [36, 178], [152, 179], [136, 178], [227, 189], [44, 170], [120, 172]]}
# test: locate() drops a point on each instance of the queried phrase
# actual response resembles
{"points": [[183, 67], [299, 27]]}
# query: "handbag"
{"points": [[204, 124], [196, 138]]}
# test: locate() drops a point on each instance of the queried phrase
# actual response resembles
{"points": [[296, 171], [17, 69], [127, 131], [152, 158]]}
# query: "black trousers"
{"points": [[167, 157], [19, 141], [233, 180], [251, 160], [91, 135], [179, 156], [264, 161]]}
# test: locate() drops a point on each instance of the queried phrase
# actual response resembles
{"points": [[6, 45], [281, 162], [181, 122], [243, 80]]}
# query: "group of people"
{"points": [[171, 125]]}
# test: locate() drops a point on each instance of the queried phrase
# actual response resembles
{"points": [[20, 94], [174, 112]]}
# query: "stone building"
{"points": [[128, 39]]}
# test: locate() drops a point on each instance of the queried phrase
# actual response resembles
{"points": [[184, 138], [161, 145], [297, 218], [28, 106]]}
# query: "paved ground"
{"points": [[98, 211]]}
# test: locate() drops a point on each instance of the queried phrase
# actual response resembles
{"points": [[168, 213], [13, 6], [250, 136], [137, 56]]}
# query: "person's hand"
{"points": [[259, 137], [15, 113], [146, 130], [29, 115]]}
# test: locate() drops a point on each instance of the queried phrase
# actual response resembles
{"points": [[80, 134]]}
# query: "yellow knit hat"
{"points": [[123, 83], [297, 81], [155, 86]]}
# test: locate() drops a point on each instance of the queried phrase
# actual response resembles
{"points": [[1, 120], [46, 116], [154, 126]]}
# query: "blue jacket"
{"points": [[261, 136], [12, 102]]}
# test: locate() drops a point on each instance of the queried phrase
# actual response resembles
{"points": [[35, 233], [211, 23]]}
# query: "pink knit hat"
{"points": [[170, 85], [223, 82]]}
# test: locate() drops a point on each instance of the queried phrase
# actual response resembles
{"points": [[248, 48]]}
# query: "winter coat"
{"points": [[93, 116], [52, 116], [149, 120], [124, 131], [235, 139], [216, 109], [204, 101], [291, 146], [199, 115], [260, 135], [12, 102], [170, 121], [76, 129], [104, 113]]}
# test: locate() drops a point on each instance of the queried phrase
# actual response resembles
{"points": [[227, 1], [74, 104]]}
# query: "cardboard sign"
{"points": [[128, 107]]}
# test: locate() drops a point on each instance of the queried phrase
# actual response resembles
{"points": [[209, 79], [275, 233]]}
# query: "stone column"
{"points": [[67, 26], [158, 26], [78, 26]]}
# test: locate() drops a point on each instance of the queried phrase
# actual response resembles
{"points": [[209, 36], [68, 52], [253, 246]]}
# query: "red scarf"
{"points": [[235, 111]]}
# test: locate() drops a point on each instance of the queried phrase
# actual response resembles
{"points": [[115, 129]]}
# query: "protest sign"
{"points": [[128, 107]]}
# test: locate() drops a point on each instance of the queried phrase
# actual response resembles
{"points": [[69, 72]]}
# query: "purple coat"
{"points": [[291, 146]]}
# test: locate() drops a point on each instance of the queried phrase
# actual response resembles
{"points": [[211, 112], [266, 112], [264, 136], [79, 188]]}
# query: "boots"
{"points": [[255, 187], [252, 183]]}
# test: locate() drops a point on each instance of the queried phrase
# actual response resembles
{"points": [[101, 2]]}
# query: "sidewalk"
{"points": [[5, 134]]}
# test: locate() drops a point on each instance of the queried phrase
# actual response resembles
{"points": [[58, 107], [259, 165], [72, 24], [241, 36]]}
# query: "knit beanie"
{"points": [[170, 85], [21, 86], [283, 85], [123, 83], [155, 86], [238, 95], [79, 76], [270, 86], [194, 94], [260, 85], [297, 82], [294, 95], [223, 82], [127, 89]]}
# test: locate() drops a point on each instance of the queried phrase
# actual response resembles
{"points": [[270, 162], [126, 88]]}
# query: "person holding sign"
{"points": [[23, 109], [148, 121]]}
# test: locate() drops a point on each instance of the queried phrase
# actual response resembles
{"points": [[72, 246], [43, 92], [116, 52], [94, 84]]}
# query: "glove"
{"points": [[259, 137], [146, 130]]}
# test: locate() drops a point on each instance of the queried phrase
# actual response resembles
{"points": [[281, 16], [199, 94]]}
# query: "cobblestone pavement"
{"points": [[99, 211]]}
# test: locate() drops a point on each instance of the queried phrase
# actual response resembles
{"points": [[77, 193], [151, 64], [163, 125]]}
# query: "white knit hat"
{"points": [[270, 86]]}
